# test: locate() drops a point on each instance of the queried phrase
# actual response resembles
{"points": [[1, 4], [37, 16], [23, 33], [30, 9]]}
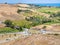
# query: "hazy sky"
{"points": [[30, 1]]}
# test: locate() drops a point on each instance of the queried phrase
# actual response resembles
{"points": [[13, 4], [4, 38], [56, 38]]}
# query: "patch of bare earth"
{"points": [[37, 39]]}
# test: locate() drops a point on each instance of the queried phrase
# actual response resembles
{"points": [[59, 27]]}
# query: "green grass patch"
{"points": [[23, 23], [8, 30]]}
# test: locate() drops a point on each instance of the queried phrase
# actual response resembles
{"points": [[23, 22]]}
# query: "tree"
{"points": [[18, 11], [8, 23]]}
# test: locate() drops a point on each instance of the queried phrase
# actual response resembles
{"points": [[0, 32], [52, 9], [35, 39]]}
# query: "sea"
{"points": [[41, 4], [49, 4]]}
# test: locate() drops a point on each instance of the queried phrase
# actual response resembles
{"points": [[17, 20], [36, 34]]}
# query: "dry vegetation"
{"points": [[52, 27], [10, 12], [38, 39]]}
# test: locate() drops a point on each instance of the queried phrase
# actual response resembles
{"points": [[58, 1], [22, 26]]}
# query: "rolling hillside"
{"points": [[8, 11], [29, 17]]}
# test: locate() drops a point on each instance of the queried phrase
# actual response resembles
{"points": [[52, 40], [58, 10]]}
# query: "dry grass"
{"points": [[9, 12], [38, 39], [52, 27]]}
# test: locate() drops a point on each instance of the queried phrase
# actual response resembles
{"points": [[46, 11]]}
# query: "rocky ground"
{"points": [[37, 39]]}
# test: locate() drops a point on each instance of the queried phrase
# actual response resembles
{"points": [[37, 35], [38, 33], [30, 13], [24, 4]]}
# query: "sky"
{"points": [[30, 1]]}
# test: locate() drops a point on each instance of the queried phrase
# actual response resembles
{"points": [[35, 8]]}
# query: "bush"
{"points": [[58, 14], [23, 23], [44, 27], [12, 26], [8, 23], [55, 14], [18, 11], [36, 20], [56, 34]]}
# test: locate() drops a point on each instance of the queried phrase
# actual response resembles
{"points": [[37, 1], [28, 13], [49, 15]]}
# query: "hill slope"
{"points": [[8, 11], [39, 39]]}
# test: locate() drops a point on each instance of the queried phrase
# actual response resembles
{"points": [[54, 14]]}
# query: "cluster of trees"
{"points": [[36, 20], [55, 17], [23, 23], [19, 25], [26, 11], [10, 24], [55, 14]]}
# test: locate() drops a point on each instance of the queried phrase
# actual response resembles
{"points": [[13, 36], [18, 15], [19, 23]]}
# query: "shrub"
{"points": [[56, 34], [58, 14], [23, 23], [12, 26], [55, 14], [18, 11], [8, 23], [44, 27], [36, 20]]}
